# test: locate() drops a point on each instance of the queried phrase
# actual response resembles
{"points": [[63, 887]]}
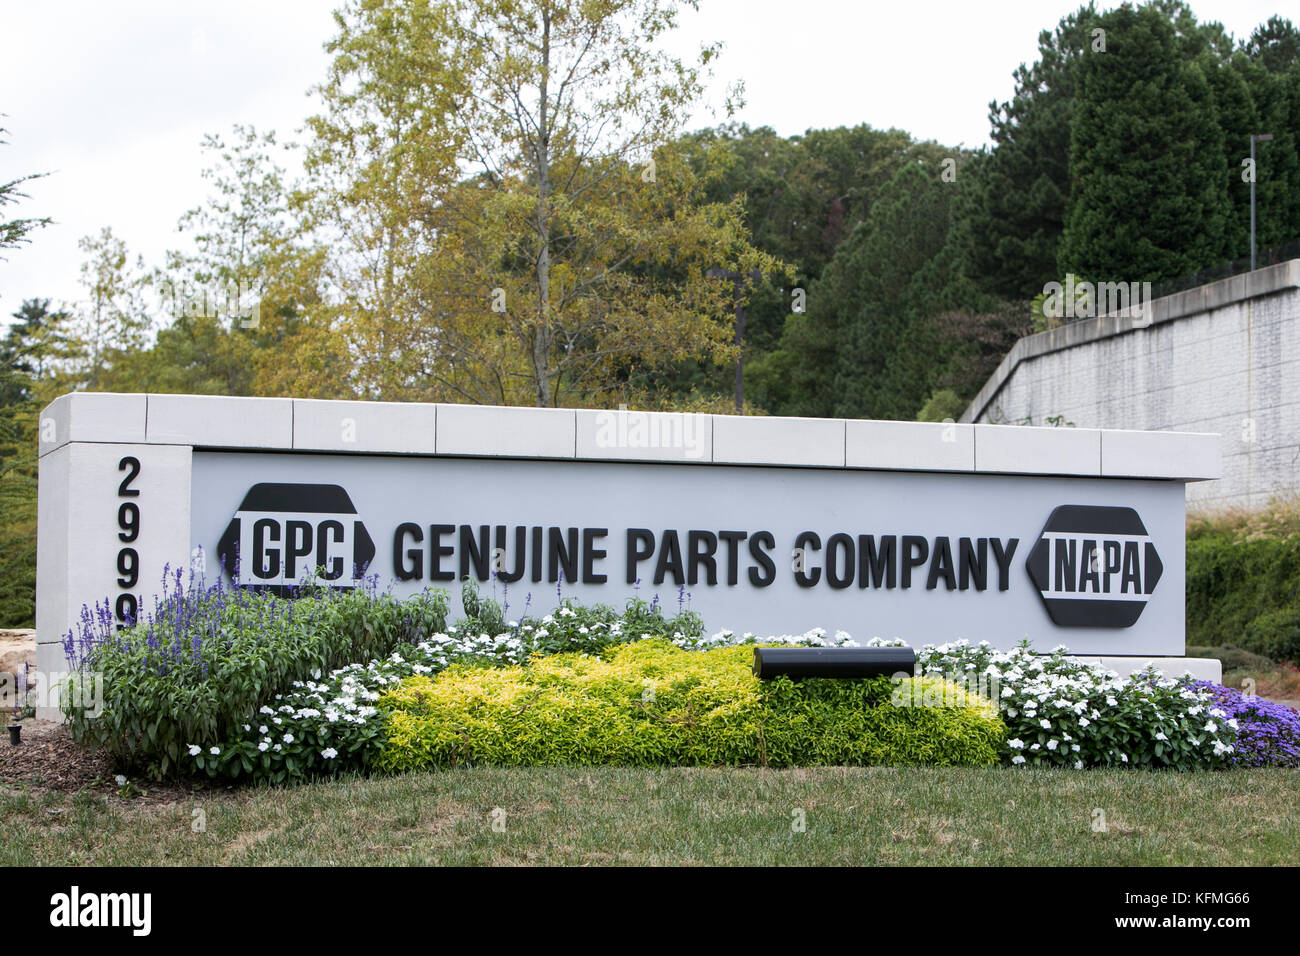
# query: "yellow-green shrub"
{"points": [[653, 704]]}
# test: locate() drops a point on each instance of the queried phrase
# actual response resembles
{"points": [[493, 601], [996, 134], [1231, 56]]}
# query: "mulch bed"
{"points": [[48, 759]]}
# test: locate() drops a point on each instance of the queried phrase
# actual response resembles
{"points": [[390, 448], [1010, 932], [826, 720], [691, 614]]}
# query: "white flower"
{"points": [[287, 738], [1052, 744], [329, 753], [1045, 724], [1160, 735], [264, 746], [215, 751], [262, 729], [1017, 759], [1078, 765], [195, 750], [1015, 743], [120, 780], [1211, 727]]}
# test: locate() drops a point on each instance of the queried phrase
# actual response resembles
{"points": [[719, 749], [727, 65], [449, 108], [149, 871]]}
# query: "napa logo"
{"points": [[283, 534], [1094, 566]]}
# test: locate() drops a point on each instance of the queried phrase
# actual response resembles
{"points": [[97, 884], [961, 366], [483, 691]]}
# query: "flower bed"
{"points": [[229, 684], [1061, 712]]}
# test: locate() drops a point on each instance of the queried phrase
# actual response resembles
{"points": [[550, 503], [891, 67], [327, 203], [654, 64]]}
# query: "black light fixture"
{"points": [[833, 662]]}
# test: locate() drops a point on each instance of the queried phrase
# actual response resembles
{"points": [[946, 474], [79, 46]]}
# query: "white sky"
{"points": [[113, 98]]}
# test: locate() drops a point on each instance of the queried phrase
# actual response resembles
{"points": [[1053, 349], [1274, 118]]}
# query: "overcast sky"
{"points": [[113, 98]]}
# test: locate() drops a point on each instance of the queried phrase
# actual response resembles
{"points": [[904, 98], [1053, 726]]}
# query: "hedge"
{"points": [[1243, 589], [653, 704]]}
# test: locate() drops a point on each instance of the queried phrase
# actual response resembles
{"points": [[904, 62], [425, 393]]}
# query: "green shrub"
{"points": [[1233, 658], [653, 704], [200, 666], [1243, 585]]}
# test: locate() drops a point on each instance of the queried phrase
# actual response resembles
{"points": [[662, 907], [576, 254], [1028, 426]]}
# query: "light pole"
{"points": [[1254, 138], [738, 285]]}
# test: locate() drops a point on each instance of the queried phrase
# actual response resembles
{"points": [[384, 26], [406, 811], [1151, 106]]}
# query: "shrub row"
{"points": [[1243, 588], [653, 704]]}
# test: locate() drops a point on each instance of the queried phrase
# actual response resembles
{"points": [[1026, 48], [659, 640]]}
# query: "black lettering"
{"points": [[840, 542], [266, 562], [562, 554], [873, 566], [640, 545], [414, 570], [1088, 571], [973, 563], [297, 545], [733, 539], [760, 543], [590, 554], [670, 559], [807, 541], [1003, 558], [941, 565], [537, 555], [702, 546], [916, 550], [521, 546], [1112, 564], [476, 553], [437, 552], [1132, 569], [334, 570]]}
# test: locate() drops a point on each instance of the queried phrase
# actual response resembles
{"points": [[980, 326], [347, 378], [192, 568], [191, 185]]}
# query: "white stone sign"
{"points": [[766, 525]]}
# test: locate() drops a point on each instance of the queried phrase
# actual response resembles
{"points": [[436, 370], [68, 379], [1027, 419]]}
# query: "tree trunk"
{"points": [[542, 335]]}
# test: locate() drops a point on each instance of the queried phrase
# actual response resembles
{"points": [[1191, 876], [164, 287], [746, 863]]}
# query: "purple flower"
{"points": [[1268, 734]]}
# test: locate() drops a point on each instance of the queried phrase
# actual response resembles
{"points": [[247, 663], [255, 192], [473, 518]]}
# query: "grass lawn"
{"points": [[683, 816]]}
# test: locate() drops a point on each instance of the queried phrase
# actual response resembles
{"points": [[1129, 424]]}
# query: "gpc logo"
{"points": [[1094, 566], [282, 533]]}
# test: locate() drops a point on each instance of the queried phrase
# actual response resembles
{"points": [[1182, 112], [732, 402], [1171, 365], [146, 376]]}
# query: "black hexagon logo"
{"points": [[1094, 566], [283, 533]]}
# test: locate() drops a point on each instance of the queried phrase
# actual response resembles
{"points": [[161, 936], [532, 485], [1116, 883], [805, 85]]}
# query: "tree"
{"points": [[114, 317], [1149, 195], [1010, 220], [13, 232], [246, 314], [527, 232]]}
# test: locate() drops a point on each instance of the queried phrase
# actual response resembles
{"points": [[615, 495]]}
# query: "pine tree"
{"points": [[1149, 195]]}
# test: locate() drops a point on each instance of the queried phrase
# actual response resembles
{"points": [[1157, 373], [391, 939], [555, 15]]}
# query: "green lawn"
{"points": [[685, 816]]}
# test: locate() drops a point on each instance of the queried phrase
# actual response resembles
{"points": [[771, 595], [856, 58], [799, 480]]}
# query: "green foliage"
{"points": [[198, 668], [943, 405], [1243, 588], [1233, 658], [1148, 197], [14, 232], [652, 704]]}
